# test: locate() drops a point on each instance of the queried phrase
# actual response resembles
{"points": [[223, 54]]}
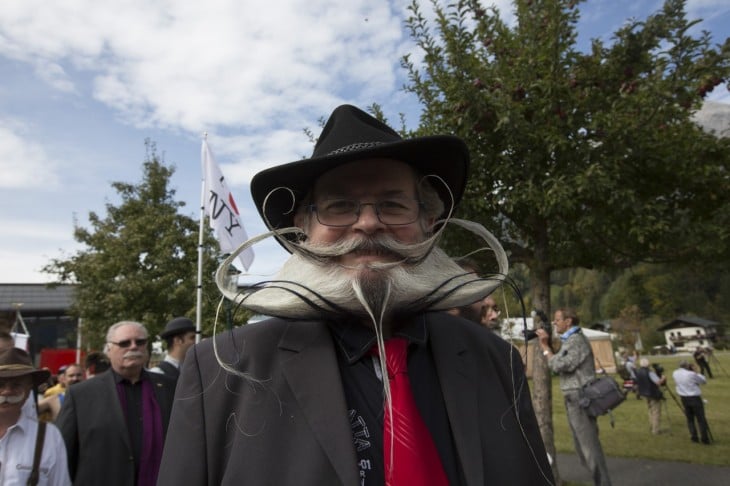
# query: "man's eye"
{"points": [[393, 206], [339, 206]]}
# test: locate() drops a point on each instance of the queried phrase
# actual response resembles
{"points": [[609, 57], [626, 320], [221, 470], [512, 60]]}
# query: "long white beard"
{"points": [[311, 285]]}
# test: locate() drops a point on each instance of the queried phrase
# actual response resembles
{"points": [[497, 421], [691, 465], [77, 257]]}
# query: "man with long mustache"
{"points": [[300, 399], [114, 425]]}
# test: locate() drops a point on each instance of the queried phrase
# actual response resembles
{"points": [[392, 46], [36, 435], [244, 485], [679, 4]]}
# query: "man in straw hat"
{"points": [[19, 433], [303, 398]]}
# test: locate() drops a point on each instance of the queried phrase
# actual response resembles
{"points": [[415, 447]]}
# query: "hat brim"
{"points": [[444, 156], [177, 332], [38, 376]]}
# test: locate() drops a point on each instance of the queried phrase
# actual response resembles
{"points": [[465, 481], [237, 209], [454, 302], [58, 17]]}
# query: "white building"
{"points": [[686, 334]]}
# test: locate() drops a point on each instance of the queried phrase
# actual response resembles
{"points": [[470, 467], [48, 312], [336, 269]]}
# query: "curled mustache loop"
{"points": [[292, 207], [451, 292], [290, 287], [221, 275], [491, 240]]}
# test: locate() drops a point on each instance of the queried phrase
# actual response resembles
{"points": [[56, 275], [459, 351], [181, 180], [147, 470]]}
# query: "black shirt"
{"points": [[364, 395], [133, 413]]}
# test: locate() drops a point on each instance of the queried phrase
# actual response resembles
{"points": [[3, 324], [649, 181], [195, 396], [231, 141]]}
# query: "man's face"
{"points": [[366, 181], [185, 341], [490, 313], [561, 323], [128, 349], [13, 394], [62, 378], [73, 374]]}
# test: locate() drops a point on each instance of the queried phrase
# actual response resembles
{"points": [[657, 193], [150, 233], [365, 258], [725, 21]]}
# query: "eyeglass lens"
{"points": [[128, 342], [344, 212]]}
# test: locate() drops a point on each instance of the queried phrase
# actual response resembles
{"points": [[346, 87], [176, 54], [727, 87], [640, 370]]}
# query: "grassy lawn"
{"points": [[631, 436]]}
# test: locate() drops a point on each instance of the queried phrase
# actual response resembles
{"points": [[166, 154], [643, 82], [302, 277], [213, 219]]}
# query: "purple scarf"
{"points": [[152, 440]]}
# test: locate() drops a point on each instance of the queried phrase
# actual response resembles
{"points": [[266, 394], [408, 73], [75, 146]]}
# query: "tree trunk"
{"points": [[542, 395]]}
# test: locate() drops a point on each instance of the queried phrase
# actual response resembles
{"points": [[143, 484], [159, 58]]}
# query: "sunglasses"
{"points": [[128, 342]]}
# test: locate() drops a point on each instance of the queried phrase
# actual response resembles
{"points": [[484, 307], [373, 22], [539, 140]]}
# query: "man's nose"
{"points": [[368, 220]]}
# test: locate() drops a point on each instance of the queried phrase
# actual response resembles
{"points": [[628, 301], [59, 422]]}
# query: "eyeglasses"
{"points": [[125, 343], [346, 212]]}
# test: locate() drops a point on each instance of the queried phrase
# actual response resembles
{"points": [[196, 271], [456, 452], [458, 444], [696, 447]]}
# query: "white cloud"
{"points": [[191, 65], [41, 241], [23, 162]]}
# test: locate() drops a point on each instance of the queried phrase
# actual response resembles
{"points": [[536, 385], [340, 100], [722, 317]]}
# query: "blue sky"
{"points": [[85, 82]]}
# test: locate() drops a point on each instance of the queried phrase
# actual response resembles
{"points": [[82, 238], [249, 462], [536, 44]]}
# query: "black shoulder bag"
{"points": [[40, 438], [601, 395]]}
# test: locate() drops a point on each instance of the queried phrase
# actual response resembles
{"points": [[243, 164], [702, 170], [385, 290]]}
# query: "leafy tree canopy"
{"points": [[579, 158], [140, 261]]}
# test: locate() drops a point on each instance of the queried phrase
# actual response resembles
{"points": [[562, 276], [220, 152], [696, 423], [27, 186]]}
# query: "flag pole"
{"points": [[199, 290]]}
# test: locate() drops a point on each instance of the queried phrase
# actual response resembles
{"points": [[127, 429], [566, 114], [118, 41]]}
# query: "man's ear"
{"points": [[428, 227], [302, 221]]}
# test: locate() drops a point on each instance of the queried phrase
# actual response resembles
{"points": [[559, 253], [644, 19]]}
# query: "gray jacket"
{"points": [[573, 362]]}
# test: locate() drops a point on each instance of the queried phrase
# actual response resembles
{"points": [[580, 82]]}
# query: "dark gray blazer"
{"points": [[288, 424], [93, 427]]}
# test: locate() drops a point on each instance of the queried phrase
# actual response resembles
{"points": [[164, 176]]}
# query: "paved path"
{"points": [[645, 472]]}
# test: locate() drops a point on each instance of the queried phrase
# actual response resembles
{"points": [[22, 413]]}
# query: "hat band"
{"points": [[355, 146], [16, 367]]}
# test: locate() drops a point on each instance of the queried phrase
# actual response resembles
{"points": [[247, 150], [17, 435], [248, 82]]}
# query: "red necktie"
{"points": [[415, 460]]}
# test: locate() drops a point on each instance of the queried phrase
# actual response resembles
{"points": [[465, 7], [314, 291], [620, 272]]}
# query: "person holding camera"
{"points": [[574, 364], [688, 383], [701, 356], [648, 382]]}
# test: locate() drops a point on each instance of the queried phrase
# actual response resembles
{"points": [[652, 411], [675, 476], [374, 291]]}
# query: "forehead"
{"points": [[73, 369], [367, 177], [129, 331]]}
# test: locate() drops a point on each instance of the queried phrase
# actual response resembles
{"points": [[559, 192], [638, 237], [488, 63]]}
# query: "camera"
{"points": [[658, 369], [544, 323]]}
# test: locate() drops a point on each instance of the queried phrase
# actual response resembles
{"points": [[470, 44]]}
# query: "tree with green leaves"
{"points": [[140, 261], [579, 159]]}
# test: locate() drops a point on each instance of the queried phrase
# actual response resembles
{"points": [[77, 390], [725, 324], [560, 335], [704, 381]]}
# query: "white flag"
{"points": [[222, 210]]}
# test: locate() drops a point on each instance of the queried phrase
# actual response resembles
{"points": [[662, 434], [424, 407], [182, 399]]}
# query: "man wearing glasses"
{"points": [[114, 425], [574, 364], [484, 311], [299, 398]]}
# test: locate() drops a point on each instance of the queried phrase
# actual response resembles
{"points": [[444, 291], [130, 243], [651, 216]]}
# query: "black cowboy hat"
{"points": [[15, 362], [179, 325], [349, 135]]}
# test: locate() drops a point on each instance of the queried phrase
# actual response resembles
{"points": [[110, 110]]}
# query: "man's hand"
{"points": [[543, 337], [544, 342]]}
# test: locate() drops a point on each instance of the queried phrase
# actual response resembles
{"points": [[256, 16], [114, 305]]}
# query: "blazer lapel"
{"points": [[311, 369], [163, 395], [458, 375]]}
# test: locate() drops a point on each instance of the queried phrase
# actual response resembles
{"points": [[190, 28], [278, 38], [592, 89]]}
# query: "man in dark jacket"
{"points": [[114, 424], [179, 335], [648, 383], [299, 398]]}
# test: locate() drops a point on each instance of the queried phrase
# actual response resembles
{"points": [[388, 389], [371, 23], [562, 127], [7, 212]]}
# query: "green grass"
{"points": [[631, 436]]}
